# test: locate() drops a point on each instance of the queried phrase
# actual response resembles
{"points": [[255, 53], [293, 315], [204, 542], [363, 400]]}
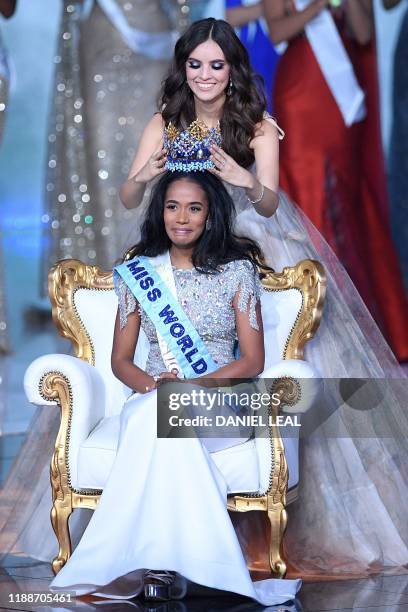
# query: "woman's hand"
{"points": [[166, 377], [156, 381], [149, 162], [227, 169], [285, 23], [154, 166]]}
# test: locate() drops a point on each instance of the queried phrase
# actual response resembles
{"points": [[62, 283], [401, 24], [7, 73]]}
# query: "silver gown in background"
{"points": [[104, 95], [4, 87]]}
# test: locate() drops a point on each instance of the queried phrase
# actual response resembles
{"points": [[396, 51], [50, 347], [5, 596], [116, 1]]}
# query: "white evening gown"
{"points": [[172, 516]]}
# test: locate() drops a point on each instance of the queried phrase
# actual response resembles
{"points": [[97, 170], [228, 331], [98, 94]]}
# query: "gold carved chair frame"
{"points": [[65, 278]]}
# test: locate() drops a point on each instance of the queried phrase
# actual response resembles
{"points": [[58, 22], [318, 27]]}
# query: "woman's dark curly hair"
{"points": [[243, 109], [217, 245]]}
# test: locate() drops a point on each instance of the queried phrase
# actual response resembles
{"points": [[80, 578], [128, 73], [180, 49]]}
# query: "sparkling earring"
{"points": [[207, 225], [230, 86]]}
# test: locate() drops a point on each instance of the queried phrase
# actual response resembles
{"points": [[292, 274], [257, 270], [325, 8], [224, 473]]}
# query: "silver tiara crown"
{"points": [[189, 150]]}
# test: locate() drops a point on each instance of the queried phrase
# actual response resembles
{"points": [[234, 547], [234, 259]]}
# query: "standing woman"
{"points": [[398, 155], [211, 87], [111, 58], [212, 81], [7, 8], [332, 163], [247, 16]]}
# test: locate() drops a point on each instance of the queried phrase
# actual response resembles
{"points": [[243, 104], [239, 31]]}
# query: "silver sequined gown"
{"points": [[207, 301], [104, 96], [4, 86]]}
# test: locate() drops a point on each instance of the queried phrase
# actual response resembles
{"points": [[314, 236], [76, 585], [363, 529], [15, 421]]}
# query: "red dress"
{"points": [[336, 175]]}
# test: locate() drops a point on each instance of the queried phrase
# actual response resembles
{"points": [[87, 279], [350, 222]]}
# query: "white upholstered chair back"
{"points": [[96, 308]]}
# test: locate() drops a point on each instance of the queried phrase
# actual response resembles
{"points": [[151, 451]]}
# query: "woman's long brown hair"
{"points": [[244, 107]]}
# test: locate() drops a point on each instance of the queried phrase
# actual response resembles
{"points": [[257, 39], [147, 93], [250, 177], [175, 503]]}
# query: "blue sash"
{"points": [[166, 314]]}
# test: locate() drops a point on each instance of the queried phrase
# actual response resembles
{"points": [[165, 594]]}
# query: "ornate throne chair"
{"points": [[90, 398]]}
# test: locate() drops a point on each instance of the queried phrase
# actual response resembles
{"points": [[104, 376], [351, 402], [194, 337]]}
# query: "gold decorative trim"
{"points": [[49, 391], [64, 279], [308, 277], [197, 129], [55, 386], [289, 390]]}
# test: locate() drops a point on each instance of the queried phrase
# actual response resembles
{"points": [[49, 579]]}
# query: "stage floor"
{"points": [[20, 575]]}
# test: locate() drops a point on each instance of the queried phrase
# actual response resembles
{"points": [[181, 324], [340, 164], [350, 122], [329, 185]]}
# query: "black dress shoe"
{"points": [[157, 585], [162, 585]]}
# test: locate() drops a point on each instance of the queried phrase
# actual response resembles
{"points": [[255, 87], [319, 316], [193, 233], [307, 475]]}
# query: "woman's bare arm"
{"points": [[266, 148], [360, 18], [241, 15], [261, 188], [123, 351], [148, 163], [250, 363], [283, 26]]}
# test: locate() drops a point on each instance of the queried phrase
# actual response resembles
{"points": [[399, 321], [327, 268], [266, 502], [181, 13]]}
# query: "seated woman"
{"points": [[169, 525]]}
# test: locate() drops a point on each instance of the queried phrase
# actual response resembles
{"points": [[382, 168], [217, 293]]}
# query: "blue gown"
{"points": [[398, 158], [262, 53]]}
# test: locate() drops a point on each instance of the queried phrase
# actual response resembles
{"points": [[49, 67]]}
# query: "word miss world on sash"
{"points": [[167, 315]]}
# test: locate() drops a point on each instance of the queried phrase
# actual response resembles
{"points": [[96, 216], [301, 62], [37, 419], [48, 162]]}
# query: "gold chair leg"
{"points": [[55, 386], [60, 513], [278, 519]]}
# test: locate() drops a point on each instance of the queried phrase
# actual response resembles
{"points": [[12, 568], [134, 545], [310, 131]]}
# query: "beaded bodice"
{"points": [[207, 300]]}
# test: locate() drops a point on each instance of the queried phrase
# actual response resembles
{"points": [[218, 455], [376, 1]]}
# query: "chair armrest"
{"points": [[86, 403], [305, 377]]}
